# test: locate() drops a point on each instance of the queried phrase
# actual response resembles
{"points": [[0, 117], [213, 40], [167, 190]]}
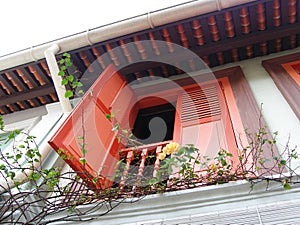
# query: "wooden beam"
{"points": [[251, 39], [28, 94]]}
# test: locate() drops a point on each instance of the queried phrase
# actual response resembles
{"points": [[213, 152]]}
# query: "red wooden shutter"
{"points": [[205, 121], [88, 123]]}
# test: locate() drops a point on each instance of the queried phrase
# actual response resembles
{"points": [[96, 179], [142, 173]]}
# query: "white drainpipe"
{"points": [[53, 67], [103, 33]]}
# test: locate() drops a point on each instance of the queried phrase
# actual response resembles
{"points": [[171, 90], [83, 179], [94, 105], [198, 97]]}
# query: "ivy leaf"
{"points": [[63, 68], [61, 73], [80, 92], [69, 94], [64, 82], [76, 84], [70, 78], [66, 55]]}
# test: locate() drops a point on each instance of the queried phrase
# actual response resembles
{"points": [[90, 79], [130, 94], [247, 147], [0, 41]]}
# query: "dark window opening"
{"points": [[155, 124]]}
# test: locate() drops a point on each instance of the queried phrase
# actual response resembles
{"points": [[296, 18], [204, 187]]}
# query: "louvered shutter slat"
{"points": [[200, 104]]}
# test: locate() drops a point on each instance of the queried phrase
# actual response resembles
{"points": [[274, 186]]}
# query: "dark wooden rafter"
{"points": [[6, 85], [284, 11], [28, 94]]}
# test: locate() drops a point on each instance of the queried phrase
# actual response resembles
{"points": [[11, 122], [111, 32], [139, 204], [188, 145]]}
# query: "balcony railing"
{"points": [[141, 162]]}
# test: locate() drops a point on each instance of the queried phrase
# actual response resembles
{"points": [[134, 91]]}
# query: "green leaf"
{"points": [[36, 160], [80, 92], [64, 82], [152, 181], [29, 154], [66, 55], [287, 186], [84, 151], [108, 116], [18, 156], [94, 180], [76, 84], [282, 162], [11, 174], [70, 78], [69, 64], [63, 68], [2, 167], [61, 73], [11, 135], [82, 161], [62, 61], [69, 94]]}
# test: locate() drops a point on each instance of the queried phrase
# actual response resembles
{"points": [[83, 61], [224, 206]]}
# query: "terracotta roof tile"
{"points": [[25, 79], [229, 24], [183, 37], [36, 75], [292, 11], [125, 51], [276, 13], [140, 47], [245, 21], [214, 31], [167, 37], [112, 54], [154, 44], [261, 17]]}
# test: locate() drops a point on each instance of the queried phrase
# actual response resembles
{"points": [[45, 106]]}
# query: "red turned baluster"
{"points": [[141, 167], [129, 159], [157, 161], [142, 164]]}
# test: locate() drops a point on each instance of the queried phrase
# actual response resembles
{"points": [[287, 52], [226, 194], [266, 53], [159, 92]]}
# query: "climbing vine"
{"points": [[69, 80]]}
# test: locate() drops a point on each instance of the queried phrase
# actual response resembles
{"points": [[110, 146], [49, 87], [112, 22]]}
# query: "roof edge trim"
{"points": [[121, 28]]}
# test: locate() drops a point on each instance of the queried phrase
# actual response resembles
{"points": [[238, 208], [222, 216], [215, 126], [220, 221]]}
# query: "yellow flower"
{"points": [[213, 167], [164, 150], [170, 148], [162, 156]]}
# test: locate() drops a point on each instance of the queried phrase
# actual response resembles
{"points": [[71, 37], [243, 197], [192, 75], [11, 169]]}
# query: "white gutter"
{"points": [[53, 67], [125, 27]]}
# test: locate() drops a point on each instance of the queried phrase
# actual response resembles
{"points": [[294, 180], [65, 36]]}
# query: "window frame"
{"points": [[280, 71], [242, 106]]}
